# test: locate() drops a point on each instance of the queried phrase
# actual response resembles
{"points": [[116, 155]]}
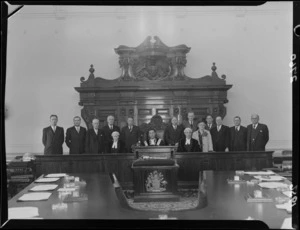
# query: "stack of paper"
{"points": [[46, 180], [56, 175], [23, 212], [287, 206], [288, 193], [35, 196], [260, 173], [44, 187], [287, 223], [272, 185], [269, 178]]}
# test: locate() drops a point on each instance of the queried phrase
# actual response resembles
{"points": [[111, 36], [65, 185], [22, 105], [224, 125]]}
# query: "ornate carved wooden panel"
{"points": [[152, 83]]}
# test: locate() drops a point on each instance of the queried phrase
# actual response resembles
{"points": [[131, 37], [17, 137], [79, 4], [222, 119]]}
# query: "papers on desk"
{"points": [[260, 173], [23, 212], [287, 206], [44, 187], [269, 178], [288, 193], [273, 185], [287, 223], [46, 180], [35, 196], [56, 175]]}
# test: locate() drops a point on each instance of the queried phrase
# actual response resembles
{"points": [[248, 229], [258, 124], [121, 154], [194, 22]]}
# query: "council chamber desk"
{"points": [[224, 202], [189, 164]]}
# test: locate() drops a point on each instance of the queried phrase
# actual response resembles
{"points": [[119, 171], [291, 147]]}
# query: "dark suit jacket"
{"points": [[130, 138], [107, 133], [53, 141], [162, 143], [76, 141], [212, 126], [94, 143], [238, 139], [173, 136], [120, 147], [193, 148], [220, 139], [186, 124], [258, 138]]}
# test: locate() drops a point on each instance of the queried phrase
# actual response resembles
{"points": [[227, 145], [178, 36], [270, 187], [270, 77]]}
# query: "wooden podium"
{"points": [[155, 174]]}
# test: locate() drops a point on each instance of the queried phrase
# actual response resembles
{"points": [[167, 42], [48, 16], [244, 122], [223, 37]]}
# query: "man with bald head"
{"points": [[173, 132], [220, 136], [257, 135], [94, 139], [109, 129]]}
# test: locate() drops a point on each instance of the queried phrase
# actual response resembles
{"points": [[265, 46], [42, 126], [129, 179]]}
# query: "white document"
{"points": [[35, 196], [44, 187], [287, 206], [56, 175], [287, 223], [66, 189], [273, 185], [260, 173], [23, 212], [288, 193], [46, 180], [269, 178]]}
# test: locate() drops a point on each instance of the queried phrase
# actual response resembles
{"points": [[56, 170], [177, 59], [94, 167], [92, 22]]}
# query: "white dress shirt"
{"points": [[237, 128], [152, 142], [219, 127], [96, 131], [53, 128], [77, 128]]}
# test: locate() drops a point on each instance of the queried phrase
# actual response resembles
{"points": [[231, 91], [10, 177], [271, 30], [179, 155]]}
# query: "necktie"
{"points": [[130, 128], [219, 128], [54, 128], [175, 127], [253, 126], [111, 127], [236, 129]]}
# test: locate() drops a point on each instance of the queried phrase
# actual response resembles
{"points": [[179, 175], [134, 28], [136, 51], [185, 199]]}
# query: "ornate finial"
{"points": [[92, 69], [223, 77], [213, 68]]}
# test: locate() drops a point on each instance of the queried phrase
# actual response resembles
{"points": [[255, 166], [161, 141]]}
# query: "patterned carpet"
{"points": [[188, 200]]}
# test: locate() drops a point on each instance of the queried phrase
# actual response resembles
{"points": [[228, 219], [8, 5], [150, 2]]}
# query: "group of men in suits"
{"points": [[109, 139], [190, 136]]}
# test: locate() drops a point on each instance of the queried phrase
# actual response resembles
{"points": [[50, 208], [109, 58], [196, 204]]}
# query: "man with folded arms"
{"points": [[53, 137]]}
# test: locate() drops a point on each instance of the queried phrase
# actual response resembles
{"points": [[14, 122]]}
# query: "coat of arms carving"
{"points": [[155, 182], [152, 60]]}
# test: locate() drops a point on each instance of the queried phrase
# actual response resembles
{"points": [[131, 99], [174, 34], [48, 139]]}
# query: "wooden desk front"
{"points": [[189, 164], [225, 202]]}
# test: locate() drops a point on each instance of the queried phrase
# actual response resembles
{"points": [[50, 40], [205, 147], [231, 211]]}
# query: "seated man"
{"points": [[116, 145], [188, 144], [152, 139]]}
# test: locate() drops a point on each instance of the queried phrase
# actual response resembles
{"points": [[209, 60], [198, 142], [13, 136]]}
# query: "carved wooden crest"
{"points": [[152, 60], [155, 182]]}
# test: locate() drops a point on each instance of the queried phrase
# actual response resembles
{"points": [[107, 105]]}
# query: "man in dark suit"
{"points": [[152, 139], [209, 123], [94, 141], [109, 129], [75, 137], [173, 133], [220, 136], [257, 135], [115, 146], [188, 144], [130, 135], [238, 136], [191, 122], [53, 137]]}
